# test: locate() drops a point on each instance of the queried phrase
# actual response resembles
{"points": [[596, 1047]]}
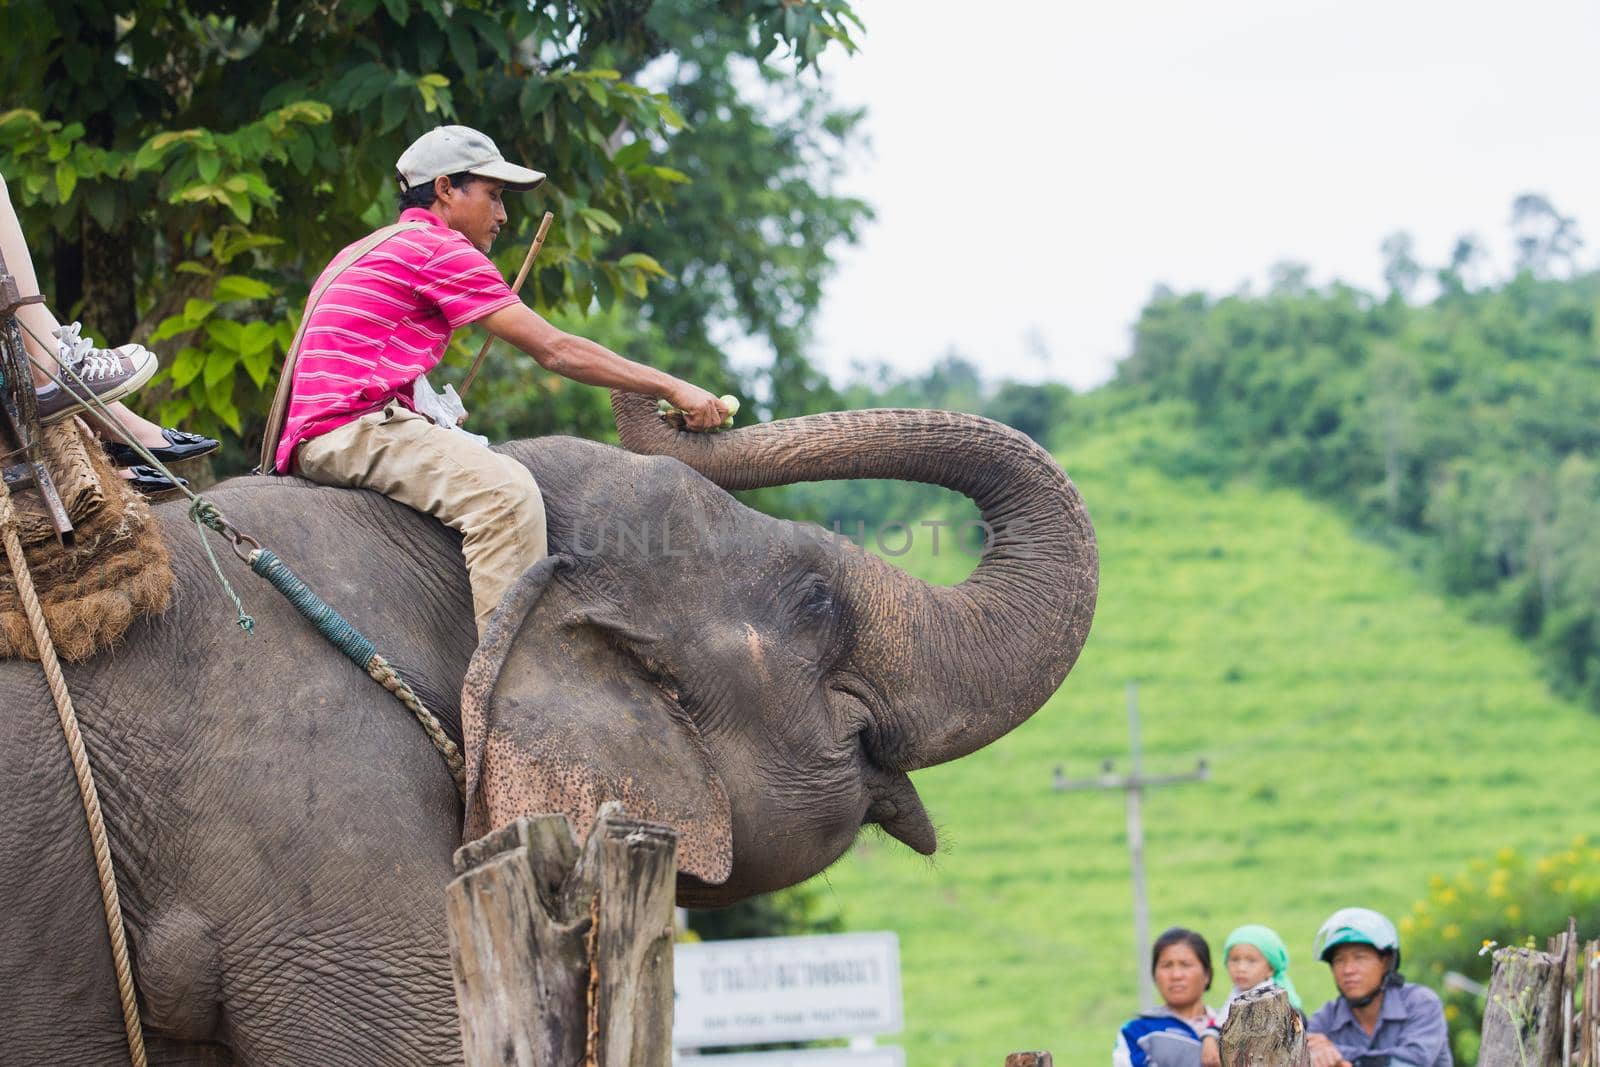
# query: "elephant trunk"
{"points": [[958, 666]]}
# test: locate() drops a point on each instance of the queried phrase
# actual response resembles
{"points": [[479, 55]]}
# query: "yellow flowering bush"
{"points": [[1508, 900]]}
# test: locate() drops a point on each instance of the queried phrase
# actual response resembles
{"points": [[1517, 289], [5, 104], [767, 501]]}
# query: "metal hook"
{"points": [[238, 539]]}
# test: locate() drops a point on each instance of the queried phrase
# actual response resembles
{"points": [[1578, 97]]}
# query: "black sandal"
{"points": [[151, 482], [181, 445]]}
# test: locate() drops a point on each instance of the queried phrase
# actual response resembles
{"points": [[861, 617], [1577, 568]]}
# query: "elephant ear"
{"points": [[559, 716]]}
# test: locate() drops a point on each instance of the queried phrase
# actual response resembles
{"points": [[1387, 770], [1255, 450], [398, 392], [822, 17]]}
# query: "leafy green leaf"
{"points": [[641, 262], [227, 334], [187, 366], [219, 397], [462, 47], [670, 116], [302, 152], [399, 10], [240, 205], [599, 220], [631, 154], [256, 337], [66, 180], [374, 81], [209, 164], [396, 99], [240, 287], [535, 95], [195, 311], [258, 365], [218, 368], [170, 326]]}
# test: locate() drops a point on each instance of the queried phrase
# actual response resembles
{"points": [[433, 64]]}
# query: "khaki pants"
{"points": [[491, 499]]}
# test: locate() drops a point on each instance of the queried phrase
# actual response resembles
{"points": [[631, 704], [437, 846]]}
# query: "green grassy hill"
{"points": [[1362, 734]]}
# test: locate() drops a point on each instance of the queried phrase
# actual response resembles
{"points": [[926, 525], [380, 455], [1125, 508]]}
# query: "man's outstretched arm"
{"points": [[584, 361]]}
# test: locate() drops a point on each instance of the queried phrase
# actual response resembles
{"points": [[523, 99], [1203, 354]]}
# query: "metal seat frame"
{"points": [[22, 462]]}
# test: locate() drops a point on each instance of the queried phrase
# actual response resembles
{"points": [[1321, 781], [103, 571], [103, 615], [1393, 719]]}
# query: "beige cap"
{"points": [[458, 149]]}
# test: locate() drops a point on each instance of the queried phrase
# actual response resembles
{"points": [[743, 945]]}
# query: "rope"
{"points": [[385, 675], [205, 513], [84, 774], [347, 639]]}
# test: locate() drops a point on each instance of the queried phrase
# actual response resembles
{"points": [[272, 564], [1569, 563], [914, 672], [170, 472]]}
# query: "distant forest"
{"points": [[1463, 429]]}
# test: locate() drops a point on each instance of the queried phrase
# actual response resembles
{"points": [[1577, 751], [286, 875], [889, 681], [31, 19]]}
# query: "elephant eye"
{"points": [[817, 601]]}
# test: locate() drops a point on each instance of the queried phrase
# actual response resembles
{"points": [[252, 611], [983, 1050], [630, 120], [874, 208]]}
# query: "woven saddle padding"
{"points": [[117, 570]]}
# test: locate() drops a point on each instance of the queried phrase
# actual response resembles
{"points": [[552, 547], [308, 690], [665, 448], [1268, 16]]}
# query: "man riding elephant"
{"points": [[380, 317], [282, 831]]}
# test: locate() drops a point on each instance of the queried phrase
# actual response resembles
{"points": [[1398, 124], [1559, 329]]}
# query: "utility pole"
{"points": [[1133, 786]]}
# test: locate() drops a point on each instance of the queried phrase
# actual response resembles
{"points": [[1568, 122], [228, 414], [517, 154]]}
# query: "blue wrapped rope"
{"points": [[329, 623]]}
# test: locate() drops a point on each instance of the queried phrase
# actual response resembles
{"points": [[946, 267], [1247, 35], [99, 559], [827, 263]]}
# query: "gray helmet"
{"points": [[1357, 926]]}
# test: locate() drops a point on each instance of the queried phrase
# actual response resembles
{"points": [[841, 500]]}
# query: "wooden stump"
{"points": [[563, 956], [1030, 1059], [1522, 1019], [1263, 1031]]}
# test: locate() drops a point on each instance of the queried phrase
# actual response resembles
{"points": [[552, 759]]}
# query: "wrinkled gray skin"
{"points": [[283, 830]]}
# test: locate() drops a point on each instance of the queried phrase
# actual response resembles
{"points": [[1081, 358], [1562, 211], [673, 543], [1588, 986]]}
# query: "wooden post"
{"points": [[1522, 1018], [1565, 948], [562, 955], [1589, 1007], [1264, 1031], [1030, 1059]]}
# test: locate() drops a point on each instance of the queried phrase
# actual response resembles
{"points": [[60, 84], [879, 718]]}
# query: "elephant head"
{"points": [[765, 686]]}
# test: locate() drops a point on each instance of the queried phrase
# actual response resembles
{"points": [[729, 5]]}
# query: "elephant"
{"points": [[283, 831]]}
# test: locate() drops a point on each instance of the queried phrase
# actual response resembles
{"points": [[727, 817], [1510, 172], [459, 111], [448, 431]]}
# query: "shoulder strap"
{"points": [[280, 400]]}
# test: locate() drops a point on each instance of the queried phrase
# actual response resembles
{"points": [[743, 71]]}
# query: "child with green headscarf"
{"points": [[1255, 955]]}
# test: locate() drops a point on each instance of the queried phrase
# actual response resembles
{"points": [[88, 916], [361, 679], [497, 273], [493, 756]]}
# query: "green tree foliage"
{"points": [[745, 241], [1510, 900], [185, 169], [1466, 430]]}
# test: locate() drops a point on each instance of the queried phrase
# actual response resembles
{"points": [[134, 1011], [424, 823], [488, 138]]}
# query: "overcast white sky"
{"points": [[1037, 167]]}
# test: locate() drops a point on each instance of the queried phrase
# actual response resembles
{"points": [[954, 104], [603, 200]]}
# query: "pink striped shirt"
{"points": [[386, 321]]}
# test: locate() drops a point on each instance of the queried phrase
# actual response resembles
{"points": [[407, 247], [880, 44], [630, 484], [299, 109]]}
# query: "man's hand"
{"points": [[1322, 1053], [701, 410]]}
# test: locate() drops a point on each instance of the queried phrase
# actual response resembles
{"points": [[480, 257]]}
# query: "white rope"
{"points": [[85, 775]]}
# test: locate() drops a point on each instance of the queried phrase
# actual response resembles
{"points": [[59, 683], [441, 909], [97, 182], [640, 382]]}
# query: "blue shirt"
{"points": [[1411, 1030], [1134, 1041]]}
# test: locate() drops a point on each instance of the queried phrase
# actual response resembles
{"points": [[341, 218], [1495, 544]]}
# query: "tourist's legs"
{"points": [[36, 319]]}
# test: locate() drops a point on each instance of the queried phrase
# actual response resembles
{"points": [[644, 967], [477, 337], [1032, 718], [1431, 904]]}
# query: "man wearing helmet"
{"points": [[1377, 1020]]}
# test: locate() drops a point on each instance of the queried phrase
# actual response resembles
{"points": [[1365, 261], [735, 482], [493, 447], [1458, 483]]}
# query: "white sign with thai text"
{"points": [[888, 1056], [766, 989]]}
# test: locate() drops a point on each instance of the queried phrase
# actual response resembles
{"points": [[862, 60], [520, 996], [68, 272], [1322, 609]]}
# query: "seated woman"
{"points": [[108, 374], [1175, 1034], [1377, 1020], [1256, 956]]}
